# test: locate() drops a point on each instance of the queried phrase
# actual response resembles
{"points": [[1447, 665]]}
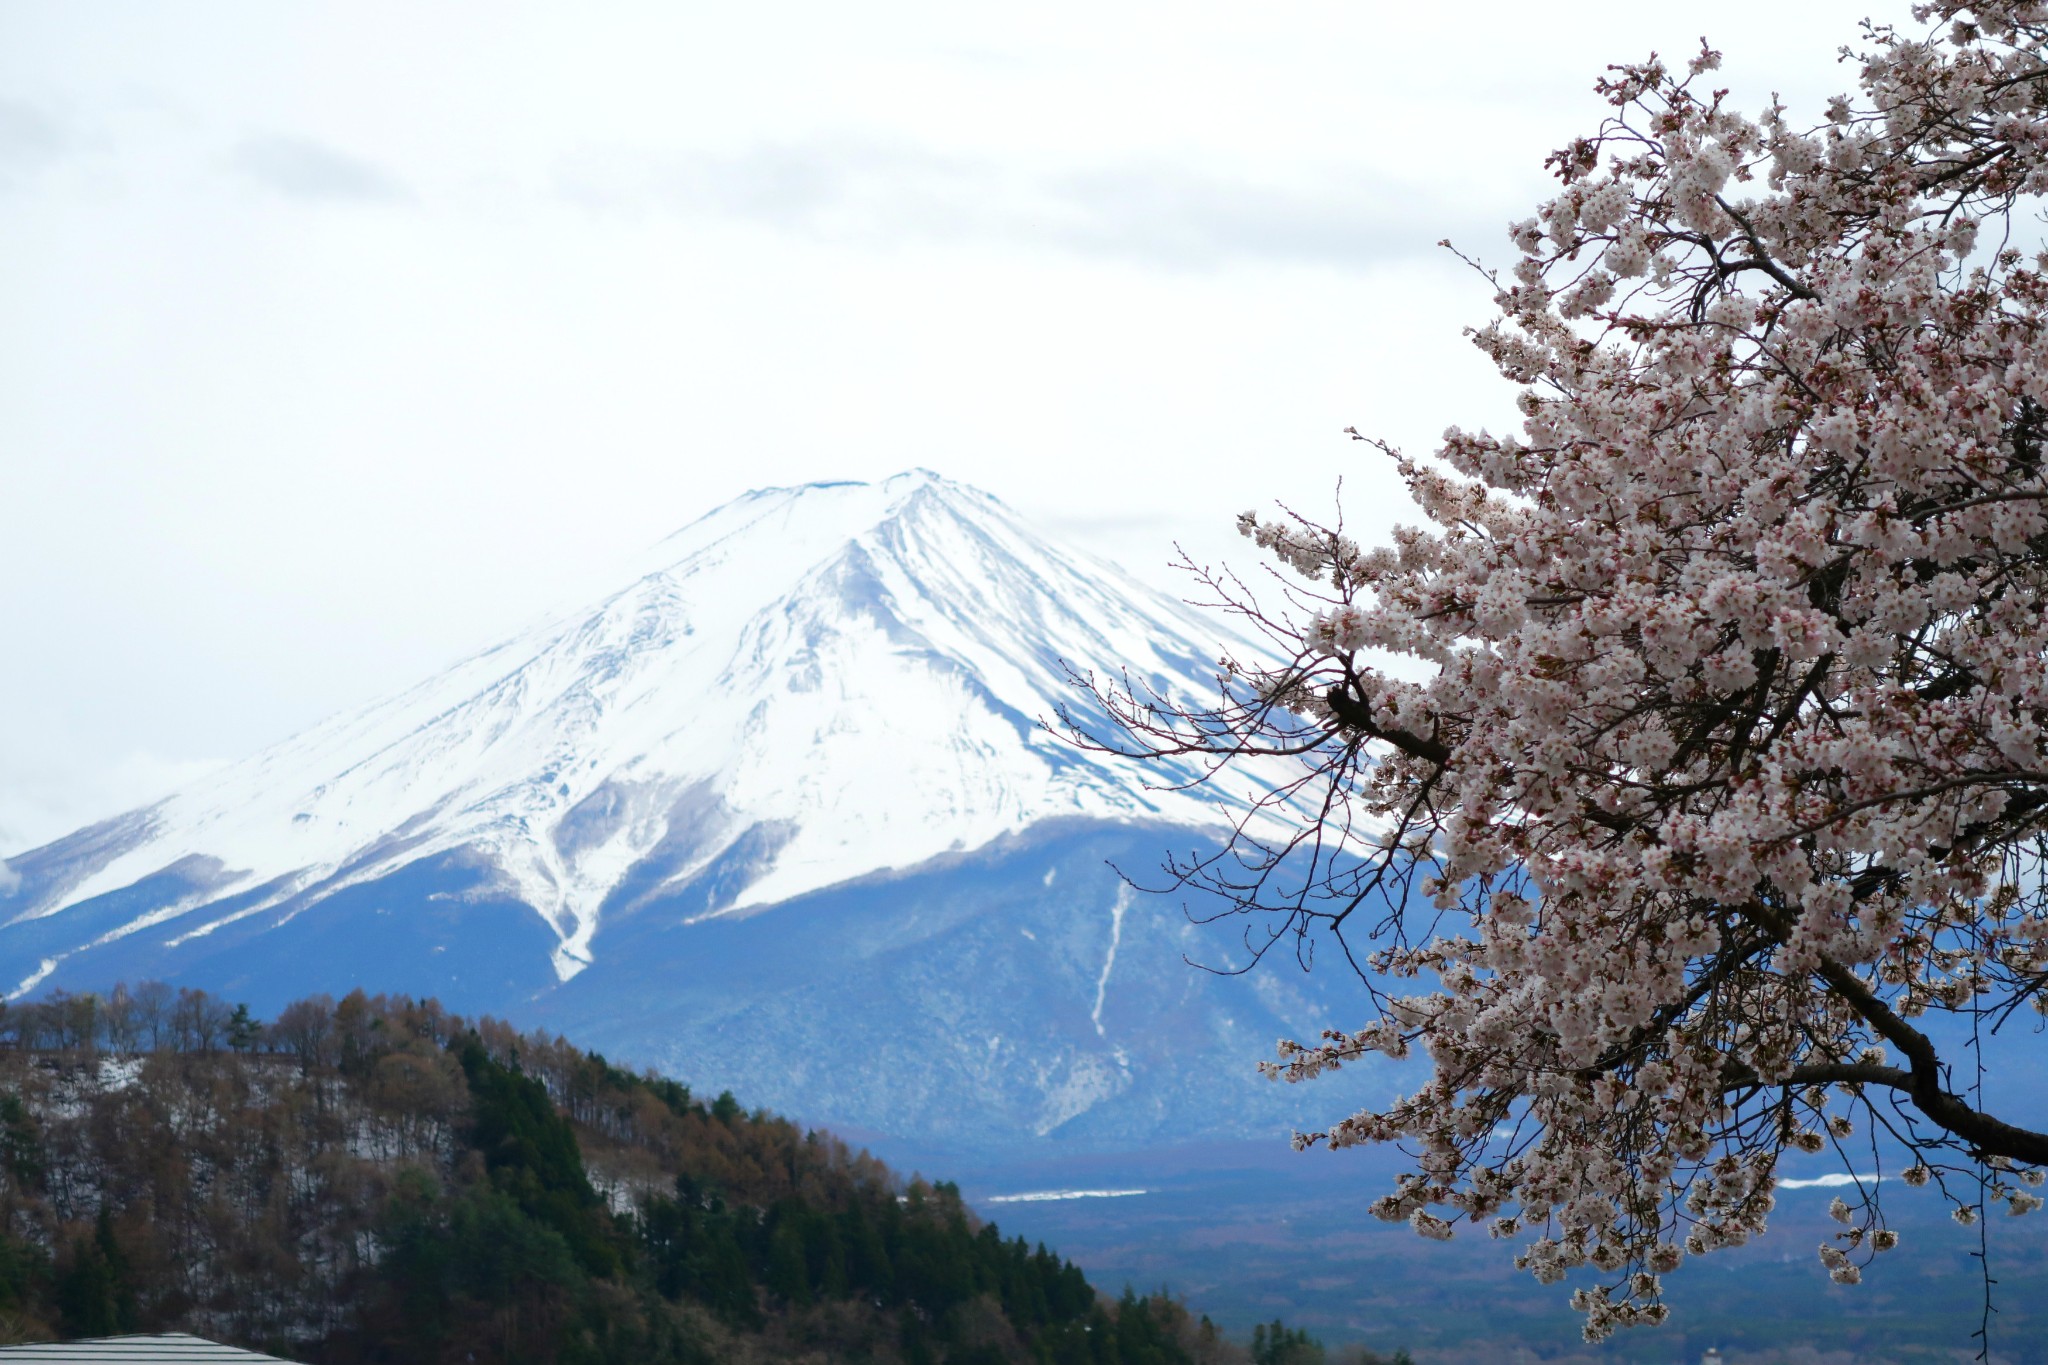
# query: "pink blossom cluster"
{"points": [[1726, 757]]}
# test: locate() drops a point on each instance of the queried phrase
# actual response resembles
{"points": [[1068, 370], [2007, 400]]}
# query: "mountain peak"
{"points": [[804, 686]]}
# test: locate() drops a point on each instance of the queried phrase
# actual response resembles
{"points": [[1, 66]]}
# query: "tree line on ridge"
{"points": [[377, 1179]]}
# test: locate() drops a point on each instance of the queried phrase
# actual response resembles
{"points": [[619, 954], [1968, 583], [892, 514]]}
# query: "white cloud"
{"points": [[27, 134], [46, 797], [301, 168], [1149, 210], [29, 141]]}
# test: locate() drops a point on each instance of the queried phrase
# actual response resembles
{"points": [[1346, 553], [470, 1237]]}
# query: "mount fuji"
{"points": [[777, 814]]}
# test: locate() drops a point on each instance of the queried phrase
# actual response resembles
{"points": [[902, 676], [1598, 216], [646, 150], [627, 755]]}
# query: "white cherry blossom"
{"points": [[1697, 746]]}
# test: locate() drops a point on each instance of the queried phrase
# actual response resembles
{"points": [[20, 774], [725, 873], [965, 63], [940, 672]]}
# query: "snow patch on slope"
{"points": [[1116, 938]]}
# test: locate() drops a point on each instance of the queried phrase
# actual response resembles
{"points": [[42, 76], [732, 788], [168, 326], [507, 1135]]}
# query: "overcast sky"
{"points": [[337, 341]]}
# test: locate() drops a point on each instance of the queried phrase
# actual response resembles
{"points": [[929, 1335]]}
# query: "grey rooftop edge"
{"points": [[139, 1350]]}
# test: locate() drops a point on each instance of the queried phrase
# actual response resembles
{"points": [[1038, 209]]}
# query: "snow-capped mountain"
{"points": [[847, 675], [622, 815]]}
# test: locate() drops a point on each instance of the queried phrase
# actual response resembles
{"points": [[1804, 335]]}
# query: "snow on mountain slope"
{"points": [[831, 680]]}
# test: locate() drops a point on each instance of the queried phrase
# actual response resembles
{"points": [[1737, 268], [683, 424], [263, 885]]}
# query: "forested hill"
{"points": [[377, 1179]]}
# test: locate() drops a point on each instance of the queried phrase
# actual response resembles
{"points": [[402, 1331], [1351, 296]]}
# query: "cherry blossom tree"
{"points": [[1682, 786]]}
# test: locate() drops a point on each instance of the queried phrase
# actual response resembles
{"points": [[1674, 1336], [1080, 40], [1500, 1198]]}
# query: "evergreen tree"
{"points": [[244, 1029], [95, 1291]]}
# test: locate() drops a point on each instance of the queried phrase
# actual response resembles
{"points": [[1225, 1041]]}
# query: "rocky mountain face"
{"points": [[777, 814]]}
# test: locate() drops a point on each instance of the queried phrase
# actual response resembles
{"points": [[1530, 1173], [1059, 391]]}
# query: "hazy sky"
{"points": [[338, 340]]}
